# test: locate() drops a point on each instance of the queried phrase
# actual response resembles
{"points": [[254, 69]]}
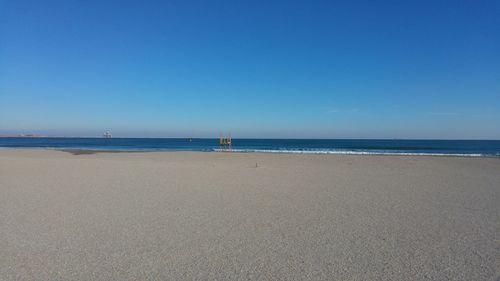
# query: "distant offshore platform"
{"points": [[107, 135]]}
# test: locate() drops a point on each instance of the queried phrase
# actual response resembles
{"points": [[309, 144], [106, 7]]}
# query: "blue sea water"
{"points": [[314, 146]]}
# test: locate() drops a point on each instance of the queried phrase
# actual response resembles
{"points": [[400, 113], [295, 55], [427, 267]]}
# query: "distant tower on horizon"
{"points": [[107, 134]]}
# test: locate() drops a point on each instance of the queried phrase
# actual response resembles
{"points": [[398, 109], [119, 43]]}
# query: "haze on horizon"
{"points": [[258, 69]]}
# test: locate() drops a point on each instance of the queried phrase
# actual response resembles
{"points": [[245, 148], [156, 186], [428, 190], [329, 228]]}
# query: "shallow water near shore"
{"points": [[307, 146]]}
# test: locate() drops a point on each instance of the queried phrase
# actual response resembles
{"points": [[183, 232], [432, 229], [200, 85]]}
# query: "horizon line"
{"points": [[100, 137]]}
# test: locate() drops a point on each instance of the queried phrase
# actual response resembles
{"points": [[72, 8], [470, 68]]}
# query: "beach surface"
{"points": [[247, 216]]}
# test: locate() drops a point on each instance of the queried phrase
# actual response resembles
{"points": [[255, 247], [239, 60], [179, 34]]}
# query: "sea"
{"points": [[472, 148]]}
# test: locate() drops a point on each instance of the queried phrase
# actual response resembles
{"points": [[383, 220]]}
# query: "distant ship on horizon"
{"points": [[107, 135]]}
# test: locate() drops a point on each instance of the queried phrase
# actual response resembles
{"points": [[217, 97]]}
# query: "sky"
{"points": [[258, 69]]}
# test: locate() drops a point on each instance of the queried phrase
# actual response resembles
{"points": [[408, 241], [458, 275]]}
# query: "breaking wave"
{"points": [[350, 152]]}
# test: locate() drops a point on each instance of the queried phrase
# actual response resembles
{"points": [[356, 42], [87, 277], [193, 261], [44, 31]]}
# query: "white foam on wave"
{"points": [[349, 152], [283, 151]]}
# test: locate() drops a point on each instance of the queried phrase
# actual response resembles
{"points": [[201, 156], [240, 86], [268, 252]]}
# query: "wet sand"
{"points": [[247, 216]]}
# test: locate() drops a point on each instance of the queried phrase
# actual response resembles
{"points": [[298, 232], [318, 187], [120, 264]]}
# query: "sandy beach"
{"points": [[247, 216]]}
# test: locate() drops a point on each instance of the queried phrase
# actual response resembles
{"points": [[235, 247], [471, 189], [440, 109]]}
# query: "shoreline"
{"points": [[79, 151]]}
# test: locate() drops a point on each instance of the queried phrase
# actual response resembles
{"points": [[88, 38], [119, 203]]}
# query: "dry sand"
{"points": [[215, 216]]}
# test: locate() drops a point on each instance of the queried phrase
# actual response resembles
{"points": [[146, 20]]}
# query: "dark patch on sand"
{"points": [[88, 152]]}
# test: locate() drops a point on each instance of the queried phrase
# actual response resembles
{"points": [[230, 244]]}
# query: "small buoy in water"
{"points": [[256, 165]]}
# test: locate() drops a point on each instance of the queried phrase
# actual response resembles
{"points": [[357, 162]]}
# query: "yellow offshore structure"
{"points": [[225, 142]]}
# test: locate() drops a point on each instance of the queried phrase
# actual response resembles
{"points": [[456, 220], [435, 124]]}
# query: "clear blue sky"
{"points": [[304, 69]]}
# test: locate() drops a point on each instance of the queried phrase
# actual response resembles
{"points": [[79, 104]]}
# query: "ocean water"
{"points": [[314, 146]]}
